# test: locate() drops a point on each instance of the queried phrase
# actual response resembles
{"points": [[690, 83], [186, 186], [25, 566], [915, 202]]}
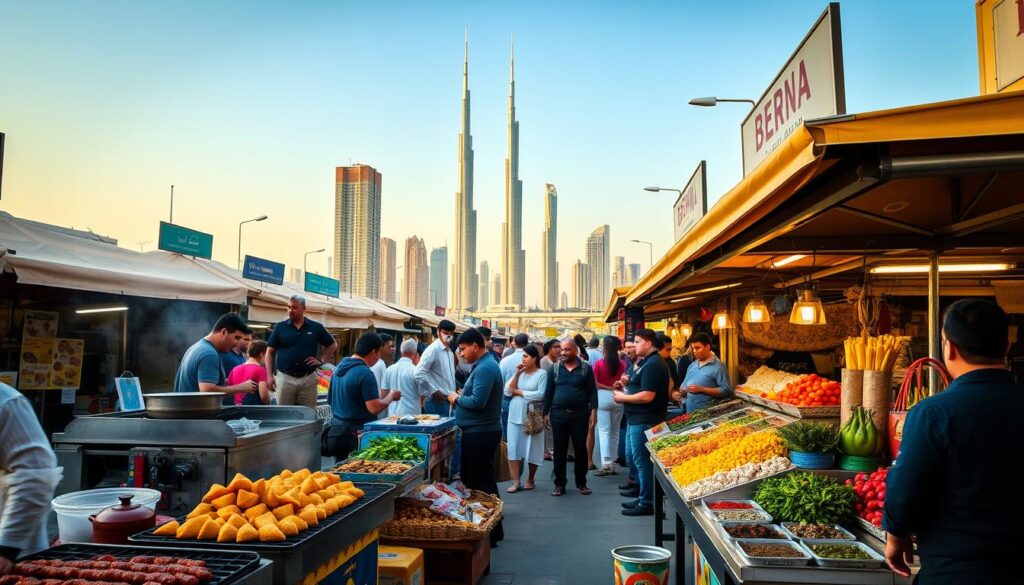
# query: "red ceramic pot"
{"points": [[115, 524]]}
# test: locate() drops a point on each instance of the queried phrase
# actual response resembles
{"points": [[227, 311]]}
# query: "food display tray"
{"points": [[871, 529], [874, 562], [847, 535], [800, 561], [755, 508], [437, 446], [415, 473], [721, 526], [429, 427], [227, 566]]}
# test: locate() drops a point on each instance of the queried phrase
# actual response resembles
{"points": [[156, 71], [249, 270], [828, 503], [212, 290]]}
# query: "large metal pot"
{"points": [[183, 404]]}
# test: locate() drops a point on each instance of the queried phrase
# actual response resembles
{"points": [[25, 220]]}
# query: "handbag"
{"points": [[501, 470], [534, 419]]}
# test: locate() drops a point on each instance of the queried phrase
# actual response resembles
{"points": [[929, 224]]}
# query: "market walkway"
{"points": [[558, 541]]}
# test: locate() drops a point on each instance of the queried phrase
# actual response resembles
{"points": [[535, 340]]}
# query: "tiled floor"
{"points": [[562, 540]]}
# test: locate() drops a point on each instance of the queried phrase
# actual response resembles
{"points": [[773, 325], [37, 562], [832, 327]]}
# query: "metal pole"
{"points": [[934, 332], [171, 218], [240, 245]]}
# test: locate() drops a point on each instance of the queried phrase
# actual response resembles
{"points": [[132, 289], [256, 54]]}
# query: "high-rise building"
{"points": [[357, 229], [564, 302], [464, 278], [634, 274], [549, 246], [295, 276], [580, 285], [599, 262], [619, 275], [513, 258], [439, 276], [496, 289], [416, 293], [388, 267], [485, 284]]}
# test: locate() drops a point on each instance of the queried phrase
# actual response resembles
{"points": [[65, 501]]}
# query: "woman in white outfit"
{"points": [[526, 388], [607, 371]]}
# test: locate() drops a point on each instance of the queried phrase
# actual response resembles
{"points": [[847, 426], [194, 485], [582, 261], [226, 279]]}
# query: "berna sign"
{"points": [[692, 203]]}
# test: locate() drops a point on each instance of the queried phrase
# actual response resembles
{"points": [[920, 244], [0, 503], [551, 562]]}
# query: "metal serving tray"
{"points": [[722, 526], [227, 566], [803, 559], [847, 535], [874, 562], [405, 481], [755, 507]]}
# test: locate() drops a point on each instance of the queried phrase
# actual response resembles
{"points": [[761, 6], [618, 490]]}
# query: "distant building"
{"points": [[465, 283], [295, 276], [634, 274], [619, 275], [513, 258], [357, 196], [439, 276], [496, 289], [580, 285], [388, 269], [417, 275], [485, 285], [564, 302], [599, 264], [549, 246]]}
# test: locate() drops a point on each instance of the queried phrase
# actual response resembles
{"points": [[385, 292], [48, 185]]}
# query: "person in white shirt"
{"points": [[526, 390], [28, 479], [436, 371], [387, 354], [508, 367], [401, 376]]}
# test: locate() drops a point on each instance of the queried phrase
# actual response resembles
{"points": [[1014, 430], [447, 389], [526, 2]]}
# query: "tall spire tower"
{"points": [[513, 257], [465, 285]]}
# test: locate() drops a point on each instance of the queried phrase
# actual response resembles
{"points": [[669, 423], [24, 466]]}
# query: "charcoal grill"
{"points": [[227, 566]]}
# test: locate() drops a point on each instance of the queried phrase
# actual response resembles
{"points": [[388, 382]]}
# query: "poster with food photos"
{"points": [[67, 363], [39, 324], [36, 363]]}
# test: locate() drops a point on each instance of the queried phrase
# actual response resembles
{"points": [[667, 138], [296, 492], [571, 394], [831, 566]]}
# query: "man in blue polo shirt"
{"points": [[706, 379], [294, 353], [201, 370]]}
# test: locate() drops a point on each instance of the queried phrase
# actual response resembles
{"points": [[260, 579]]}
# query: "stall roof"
{"points": [[53, 256], [869, 187]]}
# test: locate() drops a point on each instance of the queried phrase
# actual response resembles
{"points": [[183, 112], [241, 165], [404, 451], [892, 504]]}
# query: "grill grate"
{"points": [[372, 492], [227, 566]]}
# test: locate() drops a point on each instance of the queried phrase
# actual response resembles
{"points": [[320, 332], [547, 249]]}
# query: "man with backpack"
{"points": [[570, 409]]}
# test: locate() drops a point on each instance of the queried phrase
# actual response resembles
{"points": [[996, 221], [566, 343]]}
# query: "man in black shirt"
{"points": [[570, 408], [294, 353], [646, 398]]}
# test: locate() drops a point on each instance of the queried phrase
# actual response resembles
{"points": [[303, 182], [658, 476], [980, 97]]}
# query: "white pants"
{"points": [[609, 416]]}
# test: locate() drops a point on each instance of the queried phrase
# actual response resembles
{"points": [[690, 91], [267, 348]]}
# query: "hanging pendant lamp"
{"points": [[808, 309], [756, 311]]}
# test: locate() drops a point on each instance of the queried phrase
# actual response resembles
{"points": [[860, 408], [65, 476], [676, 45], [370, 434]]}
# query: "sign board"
{"points": [[810, 85], [1008, 26], [263, 270], [631, 319], [692, 203], [174, 238], [439, 311], [322, 285]]}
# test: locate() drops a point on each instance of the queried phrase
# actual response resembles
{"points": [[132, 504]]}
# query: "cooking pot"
{"points": [[115, 524], [183, 404]]}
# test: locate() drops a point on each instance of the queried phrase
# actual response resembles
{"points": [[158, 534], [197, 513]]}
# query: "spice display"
{"points": [[727, 505], [742, 474], [717, 410], [753, 531], [665, 442], [111, 569], [729, 455], [808, 390], [806, 497], [739, 515], [708, 442], [810, 437], [376, 467], [870, 490], [765, 380], [871, 353], [859, 436], [769, 550], [816, 531], [839, 551], [268, 510]]}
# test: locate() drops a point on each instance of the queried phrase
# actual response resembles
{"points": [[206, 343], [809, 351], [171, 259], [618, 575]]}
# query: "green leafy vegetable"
{"points": [[392, 448], [810, 437], [806, 497]]}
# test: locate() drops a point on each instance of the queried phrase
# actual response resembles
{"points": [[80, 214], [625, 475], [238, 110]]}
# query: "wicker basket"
{"points": [[411, 530]]}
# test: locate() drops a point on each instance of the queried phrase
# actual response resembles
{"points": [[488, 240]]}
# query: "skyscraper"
{"points": [[496, 289], [599, 261], [634, 274], [549, 245], [485, 283], [439, 276], [564, 302], [580, 285], [513, 258], [417, 275], [464, 277], [295, 276], [619, 275], [357, 229], [388, 267]]}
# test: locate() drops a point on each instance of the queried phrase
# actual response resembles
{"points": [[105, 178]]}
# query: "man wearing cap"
{"points": [[436, 370]]}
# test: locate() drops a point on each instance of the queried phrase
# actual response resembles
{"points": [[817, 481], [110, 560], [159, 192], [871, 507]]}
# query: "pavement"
{"points": [[561, 540]]}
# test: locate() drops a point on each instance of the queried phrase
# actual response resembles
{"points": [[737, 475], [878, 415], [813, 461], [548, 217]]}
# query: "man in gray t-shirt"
{"points": [[200, 369]]}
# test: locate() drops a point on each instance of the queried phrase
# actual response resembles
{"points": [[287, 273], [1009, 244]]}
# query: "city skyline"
{"points": [[252, 127]]}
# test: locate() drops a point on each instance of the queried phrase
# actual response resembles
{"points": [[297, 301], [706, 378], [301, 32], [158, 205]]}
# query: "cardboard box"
{"points": [[399, 565]]}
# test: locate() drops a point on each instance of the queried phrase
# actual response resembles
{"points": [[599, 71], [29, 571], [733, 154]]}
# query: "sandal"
{"points": [[592, 467], [528, 486], [558, 491], [515, 487], [585, 491], [606, 472]]}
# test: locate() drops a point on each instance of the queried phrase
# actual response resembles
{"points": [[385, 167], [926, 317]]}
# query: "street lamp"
{"points": [[710, 102], [650, 248], [656, 189], [260, 218], [305, 259]]}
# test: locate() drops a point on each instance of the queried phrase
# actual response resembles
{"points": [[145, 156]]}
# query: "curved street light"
{"points": [[656, 189], [260, 218], [305, 259], [710, 102]]}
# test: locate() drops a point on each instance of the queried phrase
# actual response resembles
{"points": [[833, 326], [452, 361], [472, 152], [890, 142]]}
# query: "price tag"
{"points": [[67, 395]]}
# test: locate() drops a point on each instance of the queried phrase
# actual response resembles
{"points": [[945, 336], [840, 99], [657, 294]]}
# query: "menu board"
{"points": [[39, 324], [67, 363], [46, 360], [36, 362]]}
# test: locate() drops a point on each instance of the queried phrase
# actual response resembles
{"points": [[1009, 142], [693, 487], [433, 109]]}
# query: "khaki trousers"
{"points": [[292, 391]]}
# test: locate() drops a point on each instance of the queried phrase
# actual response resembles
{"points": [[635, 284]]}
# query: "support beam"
{"points": [[981, 193], [885, 220], [989, 220], [934, 334]]}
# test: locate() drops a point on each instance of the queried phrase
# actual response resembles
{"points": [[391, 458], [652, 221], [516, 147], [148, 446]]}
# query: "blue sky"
{"points": [[246, 107]]}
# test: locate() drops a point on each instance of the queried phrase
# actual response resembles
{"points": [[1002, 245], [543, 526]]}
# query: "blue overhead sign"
{"points": [[263, 270], [174, 238], [322, 285]]}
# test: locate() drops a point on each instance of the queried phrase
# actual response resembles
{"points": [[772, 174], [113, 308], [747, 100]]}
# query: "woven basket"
{"points": [[449, 531]]}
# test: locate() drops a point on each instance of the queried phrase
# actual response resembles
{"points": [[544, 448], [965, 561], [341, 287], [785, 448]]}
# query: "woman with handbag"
{"points": [[525, 418]]}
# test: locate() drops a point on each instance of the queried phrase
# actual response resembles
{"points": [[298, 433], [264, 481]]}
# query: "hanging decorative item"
{"points": [[704, 315], [756, 311], [807, 310], [686, 330], [722, 320]]}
